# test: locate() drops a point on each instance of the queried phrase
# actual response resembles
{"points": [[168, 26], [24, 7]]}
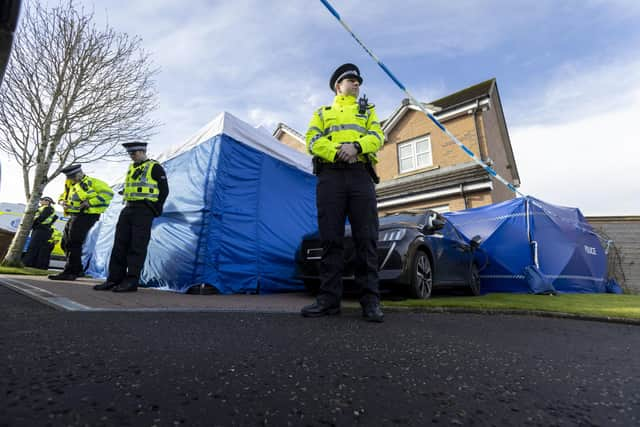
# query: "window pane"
{"points": [[406, 164], [405, 150], [424, 160], [423, 146]]}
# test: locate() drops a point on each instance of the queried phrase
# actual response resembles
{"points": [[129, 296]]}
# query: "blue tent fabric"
{"points": [[525, 232], [239, 204], [538, 283], [613, 287]]}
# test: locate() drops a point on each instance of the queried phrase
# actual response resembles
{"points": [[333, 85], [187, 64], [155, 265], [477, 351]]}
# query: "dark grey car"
{"points": [[417, 252]]}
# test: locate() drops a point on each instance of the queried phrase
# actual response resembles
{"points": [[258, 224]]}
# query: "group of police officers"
{"points": [[343, 139], [85, 198]]}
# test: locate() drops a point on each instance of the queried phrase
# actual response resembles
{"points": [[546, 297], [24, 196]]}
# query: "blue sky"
{"points": [[568, 74]]}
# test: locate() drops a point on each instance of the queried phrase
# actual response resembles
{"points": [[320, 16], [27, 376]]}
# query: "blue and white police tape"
{"points": [[464, 148]]}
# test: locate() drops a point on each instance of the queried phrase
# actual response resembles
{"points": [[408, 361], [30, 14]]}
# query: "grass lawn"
{"points": [[599, 305], [25, 270]]}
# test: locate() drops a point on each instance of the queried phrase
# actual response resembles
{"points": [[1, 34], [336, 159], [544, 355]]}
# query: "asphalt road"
{"points": [[166, 369]]}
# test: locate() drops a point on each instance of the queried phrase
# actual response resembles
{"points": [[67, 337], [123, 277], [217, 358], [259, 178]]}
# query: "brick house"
{"points": [[419, 166]]}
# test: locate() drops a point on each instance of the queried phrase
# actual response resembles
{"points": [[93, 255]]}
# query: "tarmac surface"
{"points": [[165, 359]]}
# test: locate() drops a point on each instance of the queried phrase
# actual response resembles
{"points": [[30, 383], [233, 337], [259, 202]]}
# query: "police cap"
{"points": [[135, 146], [47, 199], [343, 71], [70, 171]]}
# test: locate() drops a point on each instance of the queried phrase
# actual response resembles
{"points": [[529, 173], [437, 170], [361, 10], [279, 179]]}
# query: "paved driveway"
{"points": [[242, 368]]}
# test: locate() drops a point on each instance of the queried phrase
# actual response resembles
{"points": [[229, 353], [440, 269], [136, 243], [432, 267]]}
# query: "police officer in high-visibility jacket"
{"points": [[145, 191], [41, 232], [83, 199], [56, 237], [344, 139]]}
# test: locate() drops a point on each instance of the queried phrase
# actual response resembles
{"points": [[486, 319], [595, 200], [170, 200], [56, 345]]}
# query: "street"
{"points": [[222, 369]]}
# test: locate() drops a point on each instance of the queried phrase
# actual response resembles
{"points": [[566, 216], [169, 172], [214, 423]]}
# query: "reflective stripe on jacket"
{"points": [[48, 220], [56, 236], [139, 184], [97, 193], [343, 123]]}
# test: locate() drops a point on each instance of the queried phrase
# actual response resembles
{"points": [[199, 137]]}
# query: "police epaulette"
{"points": [[327, 108]]}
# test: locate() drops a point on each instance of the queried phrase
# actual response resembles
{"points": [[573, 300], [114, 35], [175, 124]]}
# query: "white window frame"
{"points": [[413, 143]]}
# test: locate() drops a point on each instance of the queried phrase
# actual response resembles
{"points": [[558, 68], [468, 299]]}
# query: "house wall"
{"points": [[444, 152], [625, 232], [496, 138]]}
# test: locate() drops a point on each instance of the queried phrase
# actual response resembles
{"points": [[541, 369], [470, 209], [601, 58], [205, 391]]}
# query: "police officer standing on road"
{"points": [[84, 199], [38, 251], [344, 139], [145, 191]]}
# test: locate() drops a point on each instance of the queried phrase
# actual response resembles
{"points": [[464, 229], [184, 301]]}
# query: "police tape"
{"points": [[464, 148]]}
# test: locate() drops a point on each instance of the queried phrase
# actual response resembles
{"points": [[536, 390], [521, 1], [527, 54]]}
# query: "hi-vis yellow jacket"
{"points": [[139, 184], [343, 123], [96, 192]]}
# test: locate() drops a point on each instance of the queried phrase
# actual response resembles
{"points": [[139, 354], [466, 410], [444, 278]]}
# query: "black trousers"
{"points": [[38, 248], [341, 194], [44, 256], [73, 237], [130, 245]]}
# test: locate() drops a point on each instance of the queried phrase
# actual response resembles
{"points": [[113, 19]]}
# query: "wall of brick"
{"points": [[625, 232], [444, 151], [292, 142], [495, 135]]}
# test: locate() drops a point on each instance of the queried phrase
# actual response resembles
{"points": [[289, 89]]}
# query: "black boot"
{"points": [[62, 276], [130, 284], [372, 312], [105, 286], [322, 307]]}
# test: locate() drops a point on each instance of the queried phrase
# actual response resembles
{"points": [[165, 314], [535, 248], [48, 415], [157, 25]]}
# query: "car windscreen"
{"points": [[401, 218]]}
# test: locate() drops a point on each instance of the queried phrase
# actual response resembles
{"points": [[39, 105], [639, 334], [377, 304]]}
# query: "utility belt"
{"points": [[137, 204], [320, 165], [147, 204]]}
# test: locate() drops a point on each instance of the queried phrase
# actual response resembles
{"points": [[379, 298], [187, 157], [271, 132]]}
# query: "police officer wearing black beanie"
{"points": [[343, 139]]}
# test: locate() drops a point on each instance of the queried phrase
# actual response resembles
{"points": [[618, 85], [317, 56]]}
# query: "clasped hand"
{"points": [[347, 153]]}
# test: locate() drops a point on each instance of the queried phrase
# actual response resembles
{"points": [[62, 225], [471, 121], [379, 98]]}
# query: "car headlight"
{"points": [[392, 235]]}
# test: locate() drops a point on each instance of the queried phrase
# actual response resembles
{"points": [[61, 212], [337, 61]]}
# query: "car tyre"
{"points": [[421, 276], [474, 280]]}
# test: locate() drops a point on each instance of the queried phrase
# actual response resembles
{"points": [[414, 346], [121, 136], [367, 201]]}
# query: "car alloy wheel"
{"points": [[421, 276], [474, 280]]}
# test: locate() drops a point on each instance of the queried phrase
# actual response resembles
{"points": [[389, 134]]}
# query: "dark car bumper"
{"points": [[391, 263]]}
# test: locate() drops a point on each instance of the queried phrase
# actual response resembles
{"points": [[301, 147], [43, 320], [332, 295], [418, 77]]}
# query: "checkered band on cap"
{"points": [[135, 146]]}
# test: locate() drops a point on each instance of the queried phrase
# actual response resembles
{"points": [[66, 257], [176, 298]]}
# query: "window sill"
{"points": [[416, 171]]}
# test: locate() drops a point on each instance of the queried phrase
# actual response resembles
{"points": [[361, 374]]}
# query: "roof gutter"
{"points": [[458, 190]]}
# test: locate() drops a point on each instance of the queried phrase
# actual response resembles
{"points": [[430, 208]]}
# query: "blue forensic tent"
{"points": [[526, 233], [239, 203]]}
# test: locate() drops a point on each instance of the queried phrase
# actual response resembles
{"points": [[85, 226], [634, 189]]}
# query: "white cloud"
{"points": [[579, 89], [589, 162]]}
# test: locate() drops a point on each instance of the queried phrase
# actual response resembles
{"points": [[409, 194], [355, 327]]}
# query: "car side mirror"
{"points": [[475, 242], [434, 223]]}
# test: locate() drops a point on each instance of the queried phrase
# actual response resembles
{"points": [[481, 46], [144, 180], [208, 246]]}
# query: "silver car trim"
{"points": [[393, 246]]}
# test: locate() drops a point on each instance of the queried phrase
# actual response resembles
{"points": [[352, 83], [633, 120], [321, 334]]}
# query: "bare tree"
{"points": [[72, 93]]}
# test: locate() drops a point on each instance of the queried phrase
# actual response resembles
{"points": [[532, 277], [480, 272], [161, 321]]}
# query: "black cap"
{"points": [[345, 70], [70, 171], [135, 146], [47, 199]]}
